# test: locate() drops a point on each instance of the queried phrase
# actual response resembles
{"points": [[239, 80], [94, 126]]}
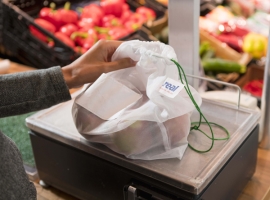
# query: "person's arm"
{"points": [[31, 91]]}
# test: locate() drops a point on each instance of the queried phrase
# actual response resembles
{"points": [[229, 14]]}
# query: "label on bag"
{"points": [[107, 97], [171, 88]]}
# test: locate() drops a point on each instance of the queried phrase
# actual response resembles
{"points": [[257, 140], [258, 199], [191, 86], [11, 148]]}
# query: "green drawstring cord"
{"points": [[198, 124]]}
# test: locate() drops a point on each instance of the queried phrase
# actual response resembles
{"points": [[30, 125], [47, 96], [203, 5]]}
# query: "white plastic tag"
{"points": [[171, 88]]}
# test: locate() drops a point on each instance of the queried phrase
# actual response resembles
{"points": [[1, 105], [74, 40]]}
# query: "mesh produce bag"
{"points": [[142, 112]]}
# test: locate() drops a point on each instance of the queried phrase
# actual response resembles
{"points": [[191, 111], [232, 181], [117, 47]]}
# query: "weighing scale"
{"points": [[90, 171]]}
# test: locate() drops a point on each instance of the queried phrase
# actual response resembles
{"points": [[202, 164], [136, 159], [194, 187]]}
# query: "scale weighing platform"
{"points": [[89, 171]]}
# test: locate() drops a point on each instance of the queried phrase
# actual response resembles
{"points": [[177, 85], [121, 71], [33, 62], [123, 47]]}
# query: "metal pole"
{"points": [[265, 101], [184, 35]]}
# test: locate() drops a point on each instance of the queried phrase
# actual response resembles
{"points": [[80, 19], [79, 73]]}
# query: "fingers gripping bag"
{"points": [[142, 112]]}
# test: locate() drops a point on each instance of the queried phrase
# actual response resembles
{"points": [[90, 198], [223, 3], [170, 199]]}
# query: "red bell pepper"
{"points": [[126, 15], [117, 33], [51, 15], [125, 6], [254, 87], [83, 39], [227, 28], [44, 24], [93, 12], [50, 43], [113, 7], [233, 41], [86, 23], [91, 32], [138, 18], [132, 26], [68, 29], [65, 39], [80, 50], [111, 21], [104, 36], [147, 12], [67, 15]]}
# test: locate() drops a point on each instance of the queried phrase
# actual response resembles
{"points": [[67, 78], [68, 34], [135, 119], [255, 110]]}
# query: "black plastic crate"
{"points": [[161, 11], [156, 3], [142, 34], [206, 6]]}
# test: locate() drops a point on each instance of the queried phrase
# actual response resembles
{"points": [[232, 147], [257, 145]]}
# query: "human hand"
{"points": [[97, 60]]}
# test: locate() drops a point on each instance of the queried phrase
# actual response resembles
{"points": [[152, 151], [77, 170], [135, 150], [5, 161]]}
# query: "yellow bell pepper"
{"points": [[255, 44]]}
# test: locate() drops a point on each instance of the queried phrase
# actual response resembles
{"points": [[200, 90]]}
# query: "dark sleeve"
{"points": [[31, 91]]}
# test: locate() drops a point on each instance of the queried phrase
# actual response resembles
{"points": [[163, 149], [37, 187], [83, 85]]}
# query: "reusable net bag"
{"points": [[142, 112]]}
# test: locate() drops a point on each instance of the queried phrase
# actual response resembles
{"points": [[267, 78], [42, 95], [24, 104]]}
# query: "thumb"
{"points": [[121, 64]]}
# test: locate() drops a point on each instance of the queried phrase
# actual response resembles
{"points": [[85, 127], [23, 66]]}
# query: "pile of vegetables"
{"points": [[214, 64], [238, 32], [81, 29]]}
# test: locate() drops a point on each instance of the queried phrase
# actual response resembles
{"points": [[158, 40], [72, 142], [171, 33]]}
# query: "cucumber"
{"points": [[221, 65]]}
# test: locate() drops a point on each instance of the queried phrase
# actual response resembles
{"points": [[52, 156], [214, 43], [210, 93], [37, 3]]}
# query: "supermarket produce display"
{"points": [[109, 20], [235, 32], [58, 34]]}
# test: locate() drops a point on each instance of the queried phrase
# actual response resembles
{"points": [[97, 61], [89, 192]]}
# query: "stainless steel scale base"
{"points": [[65, 160]]}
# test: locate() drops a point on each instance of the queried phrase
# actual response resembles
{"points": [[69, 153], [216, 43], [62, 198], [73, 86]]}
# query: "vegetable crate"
{"points": [[15, 37], [254, 72]]}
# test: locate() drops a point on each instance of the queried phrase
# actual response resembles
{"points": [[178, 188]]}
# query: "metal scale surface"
{"points": [[64, 159]]}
